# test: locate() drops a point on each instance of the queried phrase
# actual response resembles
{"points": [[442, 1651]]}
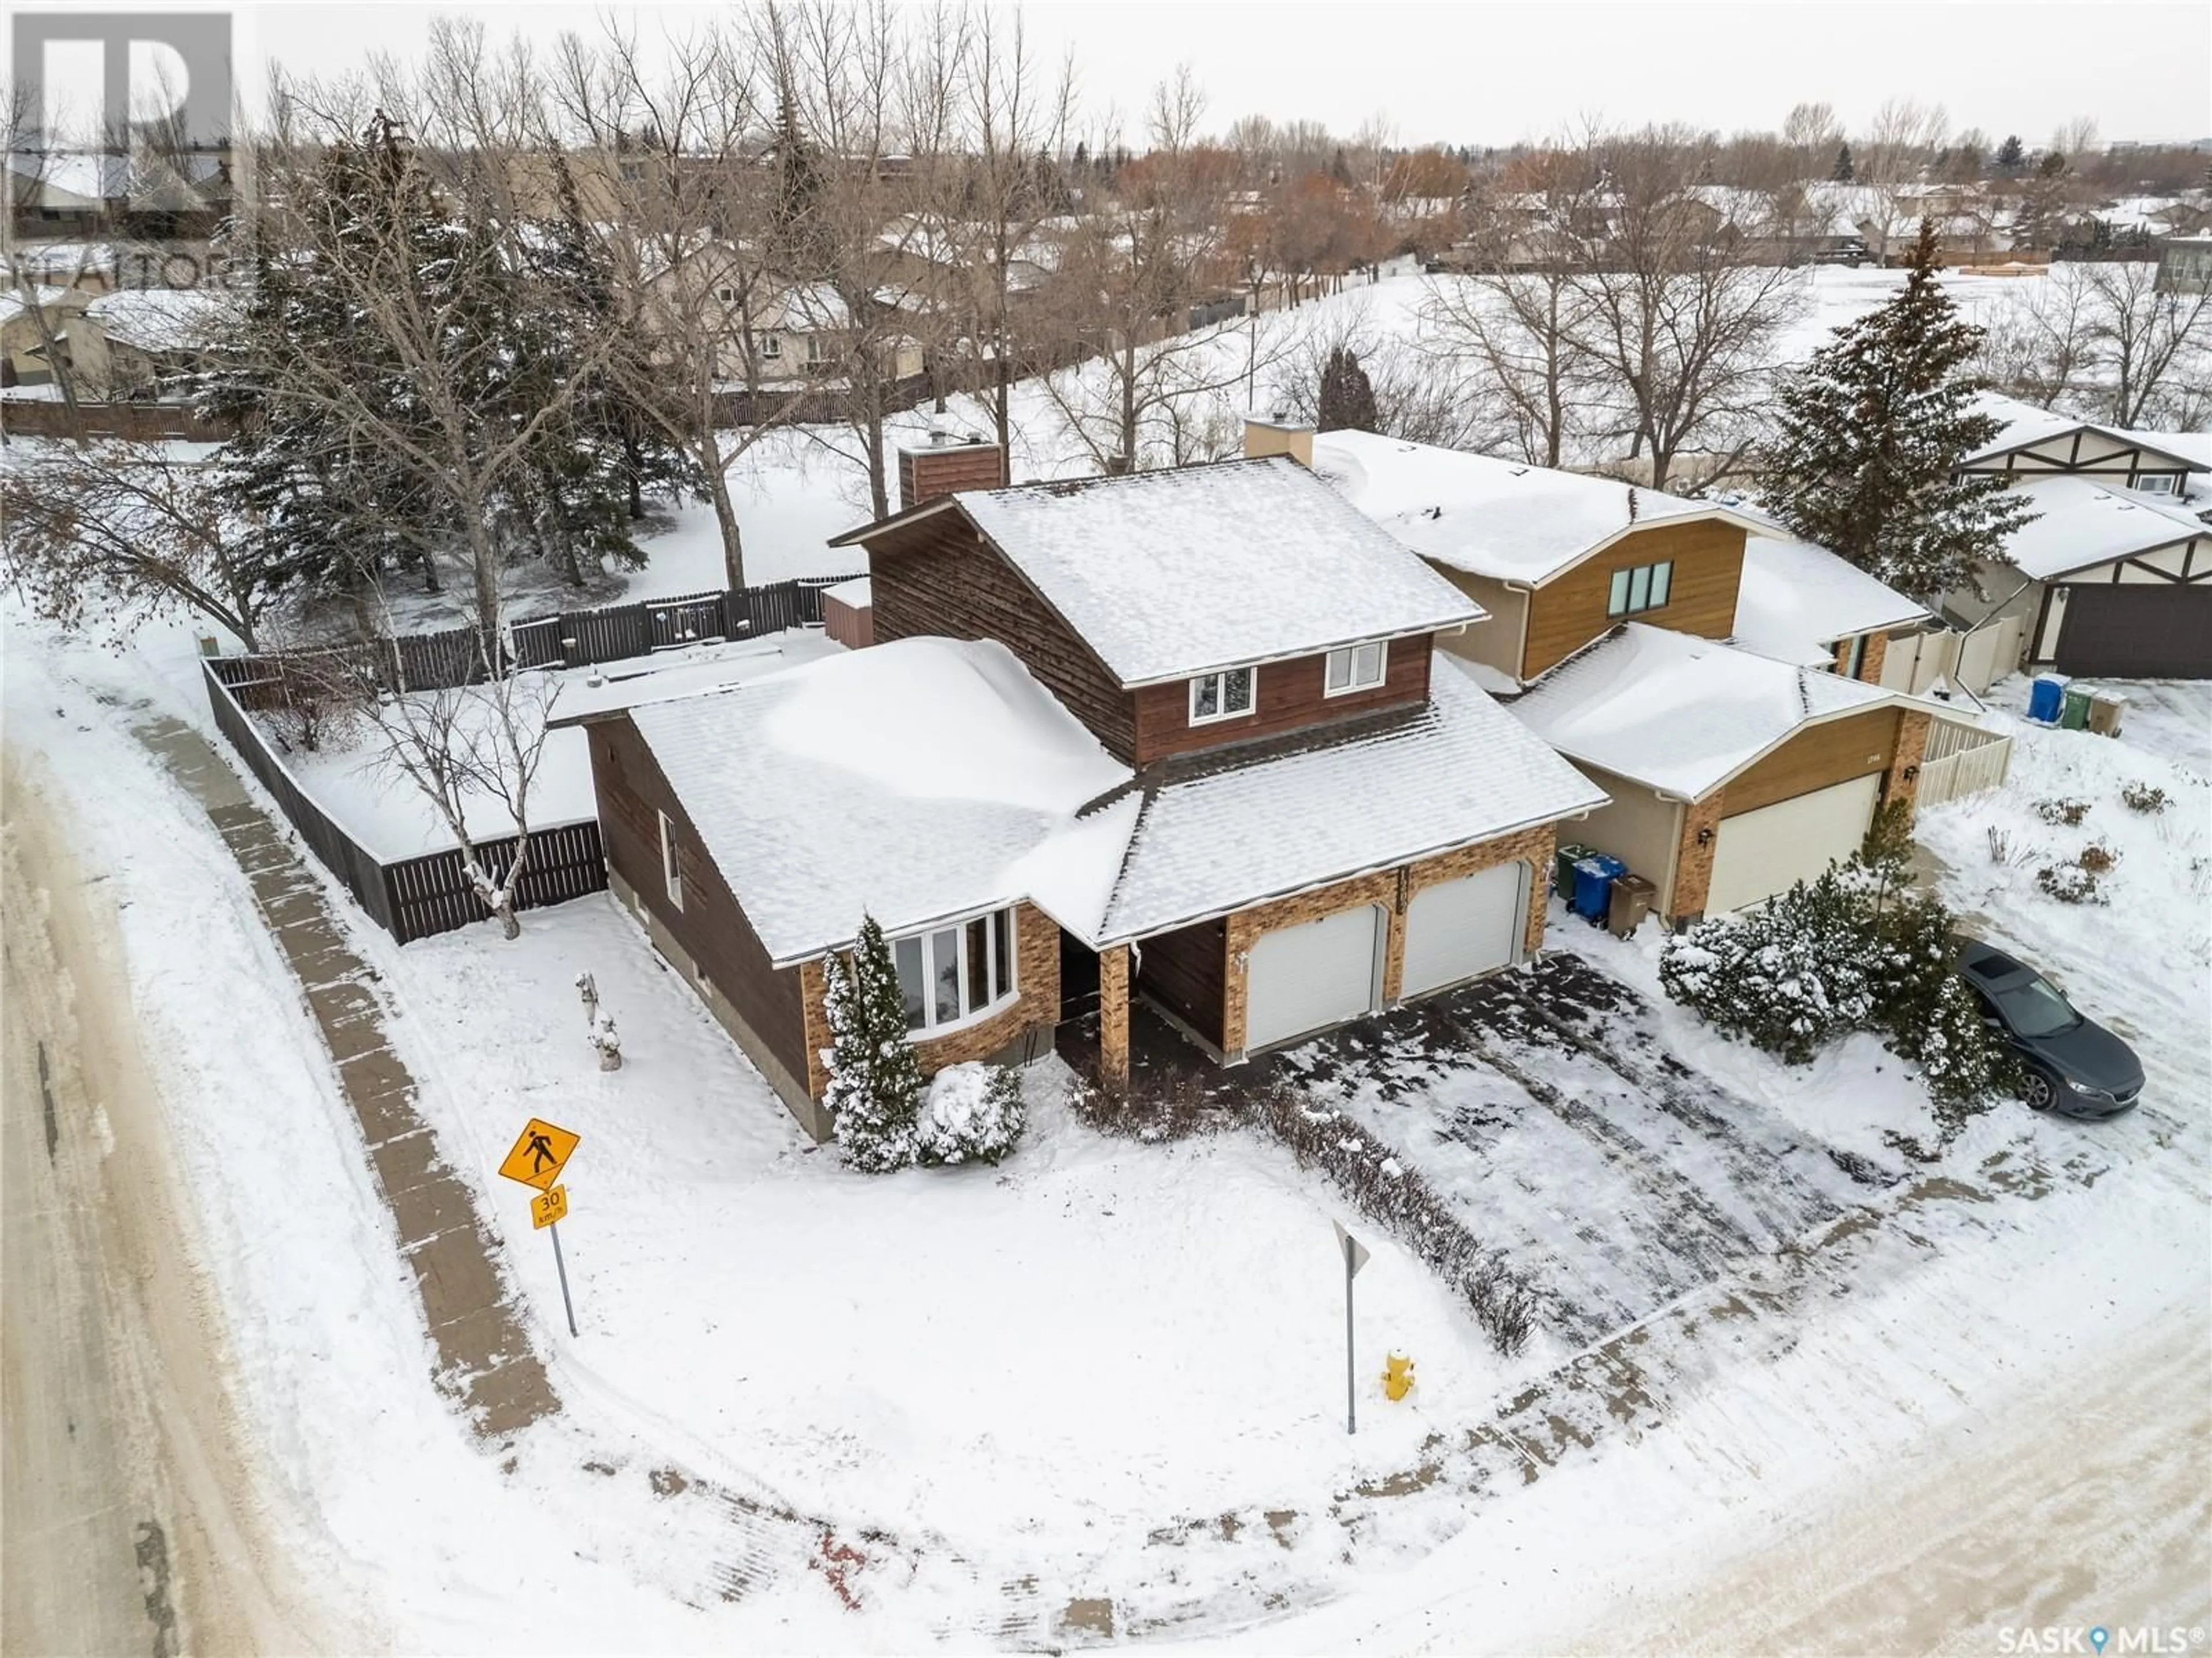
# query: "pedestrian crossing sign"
{"points": [[539, 1154]]}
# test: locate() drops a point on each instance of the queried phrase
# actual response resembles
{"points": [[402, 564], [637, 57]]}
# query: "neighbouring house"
{"points": [[93, 193], [137, 342], [1731, 775], [1178, 736], [2114, 576], [33, 326], [2184, 265]]}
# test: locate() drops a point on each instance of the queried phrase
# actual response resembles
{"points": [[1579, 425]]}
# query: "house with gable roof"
{"points": [[1180, 736], [1720, 680]]}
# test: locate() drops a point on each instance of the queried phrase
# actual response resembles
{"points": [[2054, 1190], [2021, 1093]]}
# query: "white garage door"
{"points": [[1457, 929], [1761, 852], [1307, 976]]}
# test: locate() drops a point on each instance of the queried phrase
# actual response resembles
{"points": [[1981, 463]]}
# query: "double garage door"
{"points": [[2137, 631], [1759, 853], [1304, 978]]}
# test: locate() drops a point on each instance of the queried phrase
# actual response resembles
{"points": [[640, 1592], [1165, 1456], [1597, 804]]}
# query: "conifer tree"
{"points": [[1345, 402], [875, 1082], [1844, 170], [2011, 154], [1872, 431]]}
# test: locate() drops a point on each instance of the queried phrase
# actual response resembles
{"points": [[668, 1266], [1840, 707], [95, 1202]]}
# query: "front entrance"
{"points": [[1317, 973]]}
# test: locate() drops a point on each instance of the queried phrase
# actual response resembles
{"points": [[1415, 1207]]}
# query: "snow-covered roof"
{"points": [[905, 781], [1458, 771], [1680, 714], [157, 319], [1796, 599], [858, 592], [589, 694], [2026, 425], [1166, 574], [2081, 523], [13, 305], [1490, 517]]}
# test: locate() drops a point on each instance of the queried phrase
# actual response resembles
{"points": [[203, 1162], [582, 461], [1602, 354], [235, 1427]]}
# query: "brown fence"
{"points": [[138, 422], [414, 897]]}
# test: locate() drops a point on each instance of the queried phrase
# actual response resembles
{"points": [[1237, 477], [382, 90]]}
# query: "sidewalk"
{"points": [[485, 1361]]}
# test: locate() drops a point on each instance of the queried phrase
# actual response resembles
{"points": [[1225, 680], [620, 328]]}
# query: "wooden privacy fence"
{"points": [[1961, 760], [413, 898]]}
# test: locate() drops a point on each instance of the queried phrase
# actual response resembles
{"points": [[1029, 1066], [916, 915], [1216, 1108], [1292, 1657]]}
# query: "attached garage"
{"points": [[2136, 630], [1316, 973], [1456, 929], [1760, 852]]}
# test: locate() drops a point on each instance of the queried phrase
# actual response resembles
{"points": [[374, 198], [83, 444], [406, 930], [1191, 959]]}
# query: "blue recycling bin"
{"points": [[2047, 699], [1593, 878]]}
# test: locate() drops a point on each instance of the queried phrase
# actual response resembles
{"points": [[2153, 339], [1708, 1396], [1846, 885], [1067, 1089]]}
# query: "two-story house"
{"points": [[1720, 681], [2113, 575], [1179, 734]]}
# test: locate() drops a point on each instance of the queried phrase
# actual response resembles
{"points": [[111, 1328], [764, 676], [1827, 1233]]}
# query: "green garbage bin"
{"points": [[1564, 859], [2076, 715]]}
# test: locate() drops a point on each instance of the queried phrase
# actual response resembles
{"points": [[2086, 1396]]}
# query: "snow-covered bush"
{"points": [[1831, 956], [2069, 883], [2143, 798], [970, 1113], [2066, 810], [1787, 976], [2098, 857], [875, 1081]]}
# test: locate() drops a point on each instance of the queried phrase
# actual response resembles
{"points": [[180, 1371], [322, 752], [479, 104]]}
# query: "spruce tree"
{"points": [[2011, 154], [1345, 402], [1872, 432], [1844, 171], [875, 1082]]}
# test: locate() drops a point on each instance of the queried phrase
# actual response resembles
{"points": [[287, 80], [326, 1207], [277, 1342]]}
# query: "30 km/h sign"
{"points": [[539, 1154], [550, 1208]]}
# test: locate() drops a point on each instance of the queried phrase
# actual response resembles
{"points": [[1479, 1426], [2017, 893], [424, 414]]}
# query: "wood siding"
{"points": [[1186, 972], [1566, 614], [938, 577], [1290, 694], [710, 928], [1816, 757]]}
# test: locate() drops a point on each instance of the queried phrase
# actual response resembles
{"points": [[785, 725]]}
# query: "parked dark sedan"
{"points": [[2074, 1065]]}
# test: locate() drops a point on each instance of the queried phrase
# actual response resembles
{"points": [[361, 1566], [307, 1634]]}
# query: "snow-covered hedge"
{"points": [[1842, 953], [970, 1113]]}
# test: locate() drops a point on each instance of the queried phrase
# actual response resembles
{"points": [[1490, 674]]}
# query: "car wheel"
{"points": [[2040, 1092]]}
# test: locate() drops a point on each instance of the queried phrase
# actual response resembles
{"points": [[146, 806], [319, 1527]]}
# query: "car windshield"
{"points": [[2034, 1008]]}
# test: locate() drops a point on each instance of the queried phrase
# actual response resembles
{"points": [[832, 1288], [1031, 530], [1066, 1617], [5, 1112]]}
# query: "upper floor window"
{"points": [[1644, 587], [2153, 483], [1355, 668], [771, 346], [632, 171], [1222, 695], [950, 975]]}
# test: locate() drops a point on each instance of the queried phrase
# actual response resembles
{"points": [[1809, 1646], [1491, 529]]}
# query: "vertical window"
{"points": [[977, 947], [1355, 668], [1641, 587], [906, 955], [672, 873], [1221, 696], [945, 973], [1854, 656]]}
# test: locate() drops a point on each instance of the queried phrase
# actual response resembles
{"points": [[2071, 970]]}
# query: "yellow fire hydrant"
{"points": [[1397, 1376]]}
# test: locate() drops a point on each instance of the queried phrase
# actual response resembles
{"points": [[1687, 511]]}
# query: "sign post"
{"points": [[540, 1152], [1355, 1257]]}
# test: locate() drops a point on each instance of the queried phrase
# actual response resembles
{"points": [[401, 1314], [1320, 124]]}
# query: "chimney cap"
{"points": [[1279, 418]]}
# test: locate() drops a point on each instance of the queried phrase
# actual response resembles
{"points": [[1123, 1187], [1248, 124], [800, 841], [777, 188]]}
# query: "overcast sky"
{"points": [[1494, 73]]}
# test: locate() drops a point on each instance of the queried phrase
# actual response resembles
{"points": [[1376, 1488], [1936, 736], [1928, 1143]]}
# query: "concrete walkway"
{"points": [[484, 1358]]}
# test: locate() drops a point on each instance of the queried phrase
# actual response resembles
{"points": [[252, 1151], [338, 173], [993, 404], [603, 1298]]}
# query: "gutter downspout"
{"points": [[1521, 645]]}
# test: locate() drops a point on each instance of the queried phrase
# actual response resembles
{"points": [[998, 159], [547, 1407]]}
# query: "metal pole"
{"points": [[1351, 1387], [561, 1268]]}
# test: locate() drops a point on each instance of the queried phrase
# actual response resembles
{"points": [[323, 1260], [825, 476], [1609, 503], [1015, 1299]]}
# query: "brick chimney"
{"points": [[1274, 432], [943, 463]]}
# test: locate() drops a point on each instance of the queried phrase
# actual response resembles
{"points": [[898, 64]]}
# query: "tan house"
{"points": [[32, 326]]}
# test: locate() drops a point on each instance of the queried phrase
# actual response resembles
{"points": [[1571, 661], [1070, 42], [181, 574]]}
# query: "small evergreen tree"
{"points": [[1844, 171], [1872, 432], [1347, 399], [2011, 154], [875, 1080]]}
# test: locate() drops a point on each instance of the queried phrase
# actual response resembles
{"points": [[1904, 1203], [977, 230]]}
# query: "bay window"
{"points": [[952, 973]]}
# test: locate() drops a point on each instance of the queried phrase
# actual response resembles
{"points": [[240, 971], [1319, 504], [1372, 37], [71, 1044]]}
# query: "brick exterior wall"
{"points": [[1912, 729], [1694, 862], [1877, 649], [1036, 973], [1393, 890], [1113, 1017], [928, 471]]}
